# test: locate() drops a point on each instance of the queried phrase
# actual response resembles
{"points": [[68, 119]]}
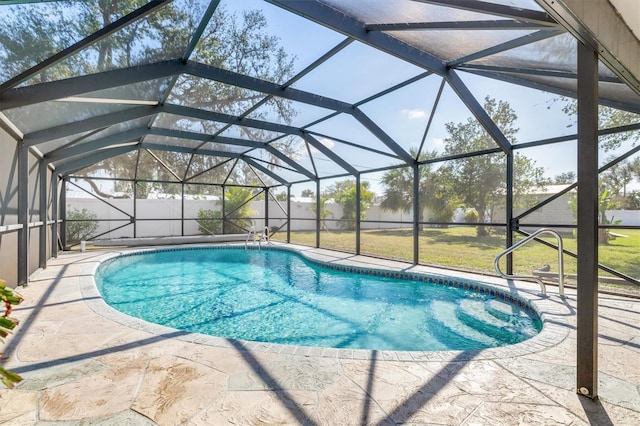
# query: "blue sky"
{"points": [[360, 71]]}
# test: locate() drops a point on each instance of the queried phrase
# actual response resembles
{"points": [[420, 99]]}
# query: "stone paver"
{"points": [[84, 363]]}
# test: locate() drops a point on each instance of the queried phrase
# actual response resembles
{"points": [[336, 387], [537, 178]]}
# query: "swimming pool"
{"points": [[278, 296]]}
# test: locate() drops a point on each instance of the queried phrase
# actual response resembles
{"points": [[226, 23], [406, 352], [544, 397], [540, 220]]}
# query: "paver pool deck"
{"points": [[83, 363]]}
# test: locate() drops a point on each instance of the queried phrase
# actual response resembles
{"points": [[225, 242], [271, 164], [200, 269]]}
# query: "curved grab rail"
{"points": [[523, 242], [252, 235]]}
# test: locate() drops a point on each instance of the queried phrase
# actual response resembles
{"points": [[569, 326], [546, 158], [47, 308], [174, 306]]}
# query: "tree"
{"points": [[617, 177], [604, 204], [281, 196], [608, 118], [238, 212], [345, 193], [398, 191], [565, 178], [324, 211], [478, 181], [308, 193], [80, 224], [234, 41], [209, 221]]}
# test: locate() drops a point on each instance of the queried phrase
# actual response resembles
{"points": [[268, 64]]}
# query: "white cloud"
{"points": [[414, 113], [438, 142], [326, 142]]}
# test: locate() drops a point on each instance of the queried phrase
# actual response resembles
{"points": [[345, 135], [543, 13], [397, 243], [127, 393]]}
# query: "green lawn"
{"points": [[460, 247]]}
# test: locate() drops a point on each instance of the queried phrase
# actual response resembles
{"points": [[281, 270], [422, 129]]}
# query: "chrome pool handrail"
{"points": [[496, 263]]}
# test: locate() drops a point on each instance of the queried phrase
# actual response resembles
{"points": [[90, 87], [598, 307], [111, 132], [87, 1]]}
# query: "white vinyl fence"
{"points": [[169, 213]]}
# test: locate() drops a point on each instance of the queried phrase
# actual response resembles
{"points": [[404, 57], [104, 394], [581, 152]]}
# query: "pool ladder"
{"points": [[251, 236], [496, 263]]}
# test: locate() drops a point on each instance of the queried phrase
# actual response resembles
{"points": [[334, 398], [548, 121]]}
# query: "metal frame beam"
{"points": [[68, 87], [318, 206], [553, 89], [184, 134], [92, 123], [587, 265], [54, 213], [353, 28], [226, 118], [42, 247], [23, 214], [534, 71], [358, 212], [459, 25], [160, 147], [70, 166], [102, 33], [186, 149], [94, 145], [229, 77], [330, 154], [511, 224], [197, 34], [63, 213], [476, 109], [278, 154], [416, 213], [263, 169], [371, 126], [520, 14], [622, 62], [354, 145], [511, 44]]}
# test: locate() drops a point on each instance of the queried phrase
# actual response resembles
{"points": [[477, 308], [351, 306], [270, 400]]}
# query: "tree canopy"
{"points": [[398, 190], [234, 41], [475, 180], [344, 192], [479, 181]]}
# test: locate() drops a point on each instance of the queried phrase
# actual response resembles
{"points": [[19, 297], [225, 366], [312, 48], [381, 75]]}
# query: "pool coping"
{"points": [[545, 307]]}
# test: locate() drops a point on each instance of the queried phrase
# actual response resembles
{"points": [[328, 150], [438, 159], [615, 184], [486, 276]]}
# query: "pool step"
{"points": [[450, 325], [500, 310], [479, 319]]}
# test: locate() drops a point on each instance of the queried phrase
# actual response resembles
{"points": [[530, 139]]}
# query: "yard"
{"points": [[460, 247]]}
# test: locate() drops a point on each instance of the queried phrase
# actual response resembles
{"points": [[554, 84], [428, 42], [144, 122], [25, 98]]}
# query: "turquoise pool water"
{"points": [[279, 297]]}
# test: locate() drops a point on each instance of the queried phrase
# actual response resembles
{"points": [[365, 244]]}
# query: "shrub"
{"points": [[9, 379], [471, 216], [238, 210], [80, 224], [209, 222]]}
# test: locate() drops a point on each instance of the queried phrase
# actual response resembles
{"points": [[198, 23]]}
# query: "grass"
{"points": [[460, 247]]}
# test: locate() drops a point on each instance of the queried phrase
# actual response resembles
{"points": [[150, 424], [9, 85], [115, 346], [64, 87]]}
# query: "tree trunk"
{"points": [[481, 231]]}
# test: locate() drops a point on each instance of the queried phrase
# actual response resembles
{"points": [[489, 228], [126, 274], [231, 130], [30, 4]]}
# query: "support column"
{"points": [[587, 312], [63, 213], [509, 209], [224, 218], [288, 214], [54, 215], [182, 207], [416, 213], [23, 214], [135, 205], [266, 208], [318, 213], [358, 212], [43, 215]]}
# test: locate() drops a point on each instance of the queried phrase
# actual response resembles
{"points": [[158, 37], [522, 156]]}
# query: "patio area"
{"points": [[84, 363]]}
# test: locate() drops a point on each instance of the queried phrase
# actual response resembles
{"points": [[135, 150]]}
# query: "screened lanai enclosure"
{"points": [[430, 131]]}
